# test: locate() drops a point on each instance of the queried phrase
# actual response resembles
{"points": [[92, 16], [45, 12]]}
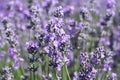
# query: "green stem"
{"points": [[65, 73], [40, 72], [30, 75], [47, 65], [54, 75], [33, 67]]}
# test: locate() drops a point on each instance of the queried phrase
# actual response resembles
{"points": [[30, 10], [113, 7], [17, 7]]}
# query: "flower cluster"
{"points": [[32, 50], [66, 39], [6, 74], [58, 44]]}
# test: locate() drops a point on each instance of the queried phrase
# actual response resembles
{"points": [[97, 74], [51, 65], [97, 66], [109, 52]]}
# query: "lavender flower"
{"points": [[58, 44], [59, 12], [66, 39], [7, 74], [32, 47], [32, 50], [13, 55], [112, 76]]}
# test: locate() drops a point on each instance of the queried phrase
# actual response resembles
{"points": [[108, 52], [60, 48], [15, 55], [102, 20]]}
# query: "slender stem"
{"points": [[54, 75], [30, 75], [33, 68], [47, 65], [40, 72], [67, 72]]}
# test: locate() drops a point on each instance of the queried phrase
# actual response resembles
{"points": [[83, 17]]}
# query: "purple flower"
{"points": [[105, 41], [112, 76], [2, 54], [106, 67], [32, 47], [117, 53], [111, 3], [58, 12], [68, 10], [7, 73], [87, 73], [12, 53], [84, 59], [17, 63], [94, 60]]}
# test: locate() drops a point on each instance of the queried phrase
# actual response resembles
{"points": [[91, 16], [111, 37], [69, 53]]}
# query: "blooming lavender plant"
{"points": [[66, 40]]}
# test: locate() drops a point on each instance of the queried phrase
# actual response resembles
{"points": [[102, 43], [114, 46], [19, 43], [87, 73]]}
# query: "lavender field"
{"points": [[59, 39]]}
